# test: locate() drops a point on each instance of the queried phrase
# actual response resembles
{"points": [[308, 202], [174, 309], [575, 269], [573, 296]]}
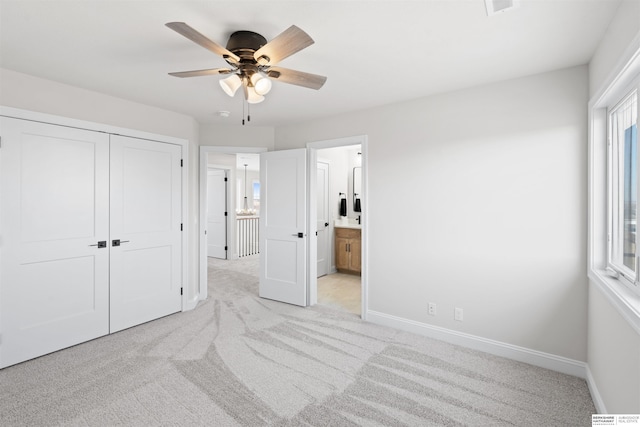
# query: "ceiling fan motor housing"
{"points": [[245, 43]]}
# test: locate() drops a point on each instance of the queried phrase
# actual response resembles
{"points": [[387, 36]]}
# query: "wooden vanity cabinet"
{"points": [[348, 250]]}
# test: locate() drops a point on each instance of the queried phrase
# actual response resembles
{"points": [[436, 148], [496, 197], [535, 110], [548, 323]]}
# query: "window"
{"points": [[623, 188], [609, 136], [256, 195]]}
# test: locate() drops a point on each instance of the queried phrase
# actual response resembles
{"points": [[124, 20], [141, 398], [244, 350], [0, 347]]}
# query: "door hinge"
{"points": [[226, 248], [181, 163], [225, 179], [180, 291], [225, 214], [205, 232], [180, 226]]}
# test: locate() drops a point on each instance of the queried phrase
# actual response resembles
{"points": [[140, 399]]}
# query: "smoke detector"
{"points": [[498, 6], [223, 114]]}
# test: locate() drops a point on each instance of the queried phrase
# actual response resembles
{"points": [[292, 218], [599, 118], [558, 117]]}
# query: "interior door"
{"points": [[216, 213], [283, 224], [322, 222], [55, 204], [146, 226]]}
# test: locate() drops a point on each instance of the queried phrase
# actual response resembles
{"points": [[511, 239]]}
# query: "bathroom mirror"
{"points": [[357, 188]]}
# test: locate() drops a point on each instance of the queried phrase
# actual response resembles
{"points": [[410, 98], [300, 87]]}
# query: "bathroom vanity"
{"points": [[348, 248]]}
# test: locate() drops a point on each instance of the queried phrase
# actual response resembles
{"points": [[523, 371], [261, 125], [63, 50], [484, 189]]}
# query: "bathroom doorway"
{"points": [[340, 223]]}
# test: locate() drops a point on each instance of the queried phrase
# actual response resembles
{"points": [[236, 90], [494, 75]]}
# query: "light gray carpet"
{"points": [[240, 360]]}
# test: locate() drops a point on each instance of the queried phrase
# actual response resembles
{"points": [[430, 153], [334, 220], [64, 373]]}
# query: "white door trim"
{"points": [[312, 269], [202, 238], [188, 301], [329, 228]]}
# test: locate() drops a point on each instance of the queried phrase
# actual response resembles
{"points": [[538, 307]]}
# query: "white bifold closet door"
{"points": [[62, 282], [55, 208], [145, 219]]}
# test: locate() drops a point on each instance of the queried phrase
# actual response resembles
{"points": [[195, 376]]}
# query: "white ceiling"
{"points": [[373, 52]]}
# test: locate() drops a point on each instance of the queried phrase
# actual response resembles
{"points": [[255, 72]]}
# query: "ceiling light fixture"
{"points": [[231, 84], [252, 96], [253, 61], [261, 83]]}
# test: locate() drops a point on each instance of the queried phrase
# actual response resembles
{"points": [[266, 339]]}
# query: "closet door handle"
{"points": [[101, 244], [117, 242]]}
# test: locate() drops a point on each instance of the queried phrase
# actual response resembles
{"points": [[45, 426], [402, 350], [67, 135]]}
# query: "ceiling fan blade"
{"points": [[290, 41], [285, 75], [198, 73], [196, 37]]}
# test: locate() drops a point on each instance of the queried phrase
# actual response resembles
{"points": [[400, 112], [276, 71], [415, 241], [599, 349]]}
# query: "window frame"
{"points": [[601, 278], [615, 180]]}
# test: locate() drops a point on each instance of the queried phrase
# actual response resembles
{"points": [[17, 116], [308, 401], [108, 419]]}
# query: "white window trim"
{"points": [[621, 295], [614, 233]]}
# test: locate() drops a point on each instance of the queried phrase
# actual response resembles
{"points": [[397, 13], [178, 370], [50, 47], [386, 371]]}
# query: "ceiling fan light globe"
{"points": [[253, 97], [261, 83], [263, 86], [231, 84]]}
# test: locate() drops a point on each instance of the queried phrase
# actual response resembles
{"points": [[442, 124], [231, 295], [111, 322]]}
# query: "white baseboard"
{"points": [[190, 304], [595, 394], [521, 354]]}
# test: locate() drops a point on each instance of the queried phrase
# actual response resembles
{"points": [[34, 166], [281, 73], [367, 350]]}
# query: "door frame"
{"points": [[312, 250], [202, 237], [328, 252]]}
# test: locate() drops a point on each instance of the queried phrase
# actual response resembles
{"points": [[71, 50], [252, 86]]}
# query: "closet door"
{"points": [[145, 231], [54, 288]]}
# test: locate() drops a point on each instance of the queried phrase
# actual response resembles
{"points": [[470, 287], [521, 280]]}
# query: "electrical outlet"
{"points": [[432, 309], [458, 314]]}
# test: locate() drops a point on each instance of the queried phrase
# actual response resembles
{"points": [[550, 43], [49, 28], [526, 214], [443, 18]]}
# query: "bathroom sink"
{"points": [[347, 223]]}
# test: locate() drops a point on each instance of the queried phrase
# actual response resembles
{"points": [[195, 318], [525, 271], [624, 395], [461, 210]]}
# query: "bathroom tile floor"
{"points": [[341, 290]]}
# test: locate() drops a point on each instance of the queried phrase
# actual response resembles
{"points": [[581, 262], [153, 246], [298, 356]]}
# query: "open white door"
{"points": [[217, 213], [145, 246], [283, 226]]}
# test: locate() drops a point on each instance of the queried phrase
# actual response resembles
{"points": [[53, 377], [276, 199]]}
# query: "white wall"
{"points": [[45, 96], [477, 200], [621, 31], [614, 356], [237, 136], [338, 159], [614, 346]]}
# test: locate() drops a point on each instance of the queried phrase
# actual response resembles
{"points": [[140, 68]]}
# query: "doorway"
{"points": [[339, 228], [342, 285], [232, 161]]}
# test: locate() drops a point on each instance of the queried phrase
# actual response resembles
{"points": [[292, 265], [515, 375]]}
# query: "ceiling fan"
{"points": [[253, 60]]}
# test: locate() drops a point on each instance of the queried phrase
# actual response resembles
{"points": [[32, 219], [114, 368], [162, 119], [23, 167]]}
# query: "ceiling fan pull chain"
{"points": [[248, 112], [243, 102]]}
